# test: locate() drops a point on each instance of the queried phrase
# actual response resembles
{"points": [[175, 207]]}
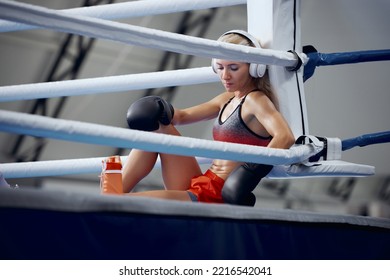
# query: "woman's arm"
{"points": [[272, 120], [243, 180], [201, 112]]}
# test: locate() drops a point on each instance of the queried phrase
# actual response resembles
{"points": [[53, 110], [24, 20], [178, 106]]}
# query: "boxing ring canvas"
{"points": [[41, 224], [63, 225]]}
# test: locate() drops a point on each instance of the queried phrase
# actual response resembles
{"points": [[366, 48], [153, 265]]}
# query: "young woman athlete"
{"points": [[246, 113]]}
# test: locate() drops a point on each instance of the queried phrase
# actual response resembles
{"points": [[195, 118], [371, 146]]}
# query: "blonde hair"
{"points": [[263, 84]]}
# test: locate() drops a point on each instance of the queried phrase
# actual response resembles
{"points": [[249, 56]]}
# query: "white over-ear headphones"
{"points": [[255, 70]]}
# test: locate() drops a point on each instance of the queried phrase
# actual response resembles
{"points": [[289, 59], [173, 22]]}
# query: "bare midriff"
{"points": [[222, 168]]}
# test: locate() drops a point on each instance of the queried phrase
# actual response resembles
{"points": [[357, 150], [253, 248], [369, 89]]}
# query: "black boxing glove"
{"points": [[148, 112], [242, 181]]}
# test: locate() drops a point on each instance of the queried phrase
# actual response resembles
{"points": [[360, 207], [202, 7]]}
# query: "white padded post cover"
{"points": [[276, 23]]}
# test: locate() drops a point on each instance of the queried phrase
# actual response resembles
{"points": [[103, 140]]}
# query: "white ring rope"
{"points": [[94, 166], [76, 131], [62, 167], [108, 84], [132, 9], [142, 36]]}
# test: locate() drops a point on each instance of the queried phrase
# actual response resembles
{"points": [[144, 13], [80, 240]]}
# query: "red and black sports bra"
{"points": [[234, 130]]}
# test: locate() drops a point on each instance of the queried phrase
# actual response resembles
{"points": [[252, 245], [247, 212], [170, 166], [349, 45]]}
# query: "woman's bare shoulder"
{"points": [[221, 98], [259, 96]]}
